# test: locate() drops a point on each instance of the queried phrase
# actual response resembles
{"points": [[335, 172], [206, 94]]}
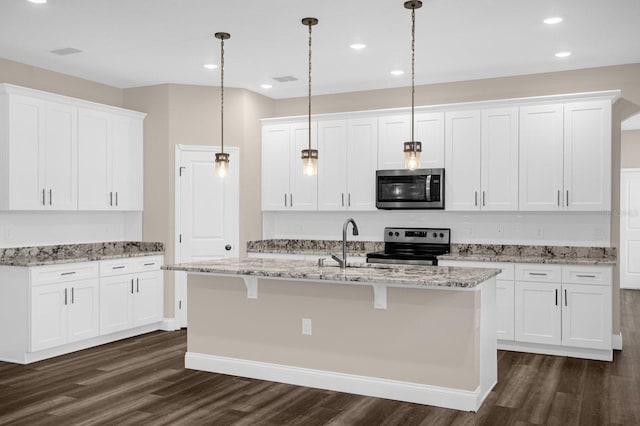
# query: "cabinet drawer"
{"points": [[507, 273], [537, 272], [51, 274], [586, 274], [130, 265], [146, 263]]}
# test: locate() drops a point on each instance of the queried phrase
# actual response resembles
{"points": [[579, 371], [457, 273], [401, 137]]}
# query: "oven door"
{"points": [[410, 189]]}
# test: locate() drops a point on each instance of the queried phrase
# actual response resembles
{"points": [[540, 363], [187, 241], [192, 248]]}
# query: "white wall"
{"points": [[23, 229], [562, 228]]}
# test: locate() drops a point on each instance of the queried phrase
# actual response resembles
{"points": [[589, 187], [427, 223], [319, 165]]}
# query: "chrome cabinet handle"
{"points": [[116, 198], [111, 198], [150, 264], [349, 200], [50, 197], [131, 285], [118, 267], [543, 274], [567, 198], [290, 200], [558, 198], [556, 297], [137, 285], [285, 199], [67, 273], [483, 197], [43, 202], [65, 296], [475, 198], [342, 199], [585, 276], [73, 298], [565, 297]]}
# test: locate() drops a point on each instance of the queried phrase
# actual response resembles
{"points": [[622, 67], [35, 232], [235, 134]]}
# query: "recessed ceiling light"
{"points": [[563, 54], [397, 72], [357, 46], [553, 20], [210, 66], [37, 1], [266, 86]]}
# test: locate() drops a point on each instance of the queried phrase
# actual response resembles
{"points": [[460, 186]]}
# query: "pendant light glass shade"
{"points": [[222, 158], [413, 148], [309, 156]]}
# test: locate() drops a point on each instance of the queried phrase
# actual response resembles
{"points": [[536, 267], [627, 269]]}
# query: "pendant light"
{"points": [[222, 158], [412, 149], [309, 156]]}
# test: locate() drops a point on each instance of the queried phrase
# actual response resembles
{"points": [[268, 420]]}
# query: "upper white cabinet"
{"points": [[394, 130], [283, 185], [462, 165], [565, 156], [39, 142], [347, 164], [110, 167]]}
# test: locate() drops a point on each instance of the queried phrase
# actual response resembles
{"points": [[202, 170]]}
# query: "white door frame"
{"points": [[180, 278], [622, 255]]}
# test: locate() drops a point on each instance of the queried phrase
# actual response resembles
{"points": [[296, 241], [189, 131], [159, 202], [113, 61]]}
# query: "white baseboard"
{"points": [[616, 341], [362, 385], [537, 348], [169, 324]]}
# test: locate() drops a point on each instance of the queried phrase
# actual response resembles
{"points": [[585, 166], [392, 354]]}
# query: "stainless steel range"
{"points": [[413, 246]]}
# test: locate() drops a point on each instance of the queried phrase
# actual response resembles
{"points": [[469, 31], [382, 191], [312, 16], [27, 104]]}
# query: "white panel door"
{"points": [[148, 298], [94, 165], [630, 228], [332, 165], [462, 159], [429, 129], [303, 190], [26, 181], [587, 155], [60, 130], [276, 157], [541, 157], [505, 309], [207, 212], [48, 316], [362, 161], [116, 303], [393, 132], [538, 313], [126, 160], [586, 316], [499, 159], [83, 309]]}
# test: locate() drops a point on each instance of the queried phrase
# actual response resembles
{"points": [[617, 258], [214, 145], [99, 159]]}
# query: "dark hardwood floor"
{"points": [[142, 381]]}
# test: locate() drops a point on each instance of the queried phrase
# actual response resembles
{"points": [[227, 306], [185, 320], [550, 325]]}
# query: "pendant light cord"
{"points": [[413, 56], [310, 25], [222, 95]]}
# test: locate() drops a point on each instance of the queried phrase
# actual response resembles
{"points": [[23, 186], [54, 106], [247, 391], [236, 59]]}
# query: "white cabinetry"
{"points": [[283, 185], [110, 153], [462, 160], [565, 156], [131, 293], [64, 304], [39, 146], [347, 164], [394, 130]]}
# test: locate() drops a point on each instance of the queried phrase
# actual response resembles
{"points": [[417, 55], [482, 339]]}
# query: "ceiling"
{"points": [[131, 43]]}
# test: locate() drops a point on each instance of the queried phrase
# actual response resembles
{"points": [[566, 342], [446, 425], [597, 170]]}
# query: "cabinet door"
{"points": [[462, 158], [505, 310], [303, 194], [148, 299], [60, 134], [393, 132], [362, 161], [83, 309], [126, 163], [116, 303], [26, 182], [587, 155], [541, 157], [429, 129], [499, 159], [586, 316], [332, 165], [48, 316], [275, 166], [94, 153], [537, 312]]}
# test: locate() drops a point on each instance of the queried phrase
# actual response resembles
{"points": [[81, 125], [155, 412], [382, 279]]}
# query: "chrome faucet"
{"points": [[343, 262]]}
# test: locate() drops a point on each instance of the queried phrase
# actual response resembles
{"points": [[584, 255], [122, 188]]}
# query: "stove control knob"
{"points": [[435, 235], [390, 234], [397, 234], [441, 235]]}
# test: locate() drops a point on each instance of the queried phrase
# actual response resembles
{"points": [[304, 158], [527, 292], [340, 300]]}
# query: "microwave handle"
{"points": [[428, 188]]}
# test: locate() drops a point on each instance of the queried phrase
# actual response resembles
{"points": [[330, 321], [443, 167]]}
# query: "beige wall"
{"points": [[405, 342], [630, 149]]}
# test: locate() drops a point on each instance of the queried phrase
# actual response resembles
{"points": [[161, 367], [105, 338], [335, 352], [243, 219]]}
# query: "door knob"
{"points": [[227, 247]]}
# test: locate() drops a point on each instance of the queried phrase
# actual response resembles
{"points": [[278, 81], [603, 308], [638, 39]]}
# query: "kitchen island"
{"points": [[421, 334]]}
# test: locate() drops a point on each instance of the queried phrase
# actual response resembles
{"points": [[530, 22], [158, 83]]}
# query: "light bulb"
{"points": [[412, 160], [310, 167], [221, 168]]}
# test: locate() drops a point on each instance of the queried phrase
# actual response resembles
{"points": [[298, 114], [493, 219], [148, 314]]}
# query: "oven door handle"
{"points": [[428, 188]]}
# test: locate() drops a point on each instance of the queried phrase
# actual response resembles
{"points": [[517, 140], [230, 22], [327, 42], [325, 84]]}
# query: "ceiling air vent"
{"points": [[66, 51], [285, 79]]}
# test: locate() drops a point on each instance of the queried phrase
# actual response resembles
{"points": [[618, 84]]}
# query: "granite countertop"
{"points": [[469, 252], [70, 253], [390, 275]]}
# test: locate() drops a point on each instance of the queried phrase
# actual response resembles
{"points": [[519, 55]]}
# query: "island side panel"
{"points": [[425, 336]]}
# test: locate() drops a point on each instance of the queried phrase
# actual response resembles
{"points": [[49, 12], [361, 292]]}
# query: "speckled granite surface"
{"points": [[391, 275], [474, 252], [532, 254], [69, 253]]}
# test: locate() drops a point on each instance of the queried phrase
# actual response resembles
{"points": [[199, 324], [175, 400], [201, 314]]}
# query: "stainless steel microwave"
{"points": [[410, 189]]}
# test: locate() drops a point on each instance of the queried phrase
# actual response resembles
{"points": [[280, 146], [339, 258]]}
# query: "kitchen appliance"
{"points": [[410, 189], [413, 246]]}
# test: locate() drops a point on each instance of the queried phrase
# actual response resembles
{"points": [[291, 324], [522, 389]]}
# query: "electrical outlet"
{"points": [[306, 326]]}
